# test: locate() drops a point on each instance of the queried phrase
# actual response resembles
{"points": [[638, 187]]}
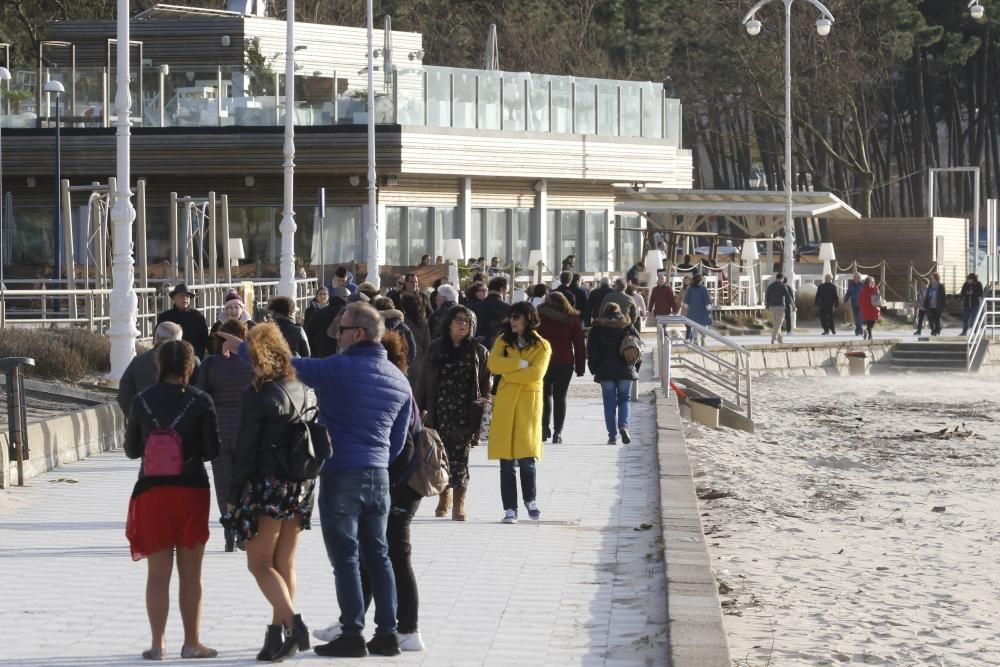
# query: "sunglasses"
{"points": [[462, 320], [342, 329], [516, 316]]}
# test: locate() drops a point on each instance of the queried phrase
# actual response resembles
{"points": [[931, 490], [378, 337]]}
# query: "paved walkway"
{"points": [[581, 586]]}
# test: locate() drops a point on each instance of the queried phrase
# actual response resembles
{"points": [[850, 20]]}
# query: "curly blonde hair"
{"points": [[269, 354]]}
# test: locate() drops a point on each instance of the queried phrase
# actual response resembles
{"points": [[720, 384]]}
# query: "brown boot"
{"points": [[458, 513], [444, 503]]}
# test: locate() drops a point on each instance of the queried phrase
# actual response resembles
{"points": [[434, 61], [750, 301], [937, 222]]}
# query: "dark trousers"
{"points": [[508, 481], [969, 315], [788, 319], [934, 321], [404, 506], [826, 319], [921, 314], [857, 319], [554, 390]]}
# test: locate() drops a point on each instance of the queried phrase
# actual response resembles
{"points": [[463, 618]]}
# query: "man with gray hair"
{"points": [[625, 302], [141, 371], [447, 298]]}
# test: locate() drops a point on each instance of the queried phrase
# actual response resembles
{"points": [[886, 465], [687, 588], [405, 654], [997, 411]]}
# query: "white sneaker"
{"points": [[410, 641], [533, 511], [329, 633], [510, 516]]}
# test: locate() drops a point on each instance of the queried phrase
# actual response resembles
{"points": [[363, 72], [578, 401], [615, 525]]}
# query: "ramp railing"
{"points": [[986, 323]]}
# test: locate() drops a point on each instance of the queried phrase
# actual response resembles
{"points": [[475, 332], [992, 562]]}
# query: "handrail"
{"points": [[731, 377], [986, 318]]}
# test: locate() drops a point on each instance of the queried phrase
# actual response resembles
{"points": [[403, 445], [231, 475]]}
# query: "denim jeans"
{"points": [[968, 316], [405, 503], [354, 509], [508, 482], [857, 318], [616, 395]]}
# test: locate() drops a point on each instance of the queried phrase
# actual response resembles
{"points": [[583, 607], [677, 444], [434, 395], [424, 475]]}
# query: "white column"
{"points": [[466, 220], [372, 233], [542, 220], [286, 284], [124, 306], [789, 222], [609, 231]]}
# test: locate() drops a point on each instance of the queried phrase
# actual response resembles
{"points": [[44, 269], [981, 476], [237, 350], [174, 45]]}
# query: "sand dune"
{"points": [[860, 524]]}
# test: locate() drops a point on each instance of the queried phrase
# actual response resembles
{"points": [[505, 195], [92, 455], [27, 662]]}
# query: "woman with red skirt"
{"points": [[172, 428]]}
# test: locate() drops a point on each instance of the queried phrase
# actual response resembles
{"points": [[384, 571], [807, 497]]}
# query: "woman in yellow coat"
{"points": [[520, 357]]}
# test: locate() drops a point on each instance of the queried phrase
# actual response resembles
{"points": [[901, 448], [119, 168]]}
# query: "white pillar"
{"points": [[466, 220], [124, 306], [542, 220], [607, 263], [286, 284], [372, 222], [789, 222]]}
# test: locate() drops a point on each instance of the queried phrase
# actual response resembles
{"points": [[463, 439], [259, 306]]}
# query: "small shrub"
{"points": [[59, 354]]}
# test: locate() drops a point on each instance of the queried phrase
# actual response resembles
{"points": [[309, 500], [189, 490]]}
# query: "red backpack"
{"points": [[163, 453]]}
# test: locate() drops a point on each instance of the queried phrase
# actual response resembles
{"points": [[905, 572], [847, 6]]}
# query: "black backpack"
{"points": [[306, 447]]}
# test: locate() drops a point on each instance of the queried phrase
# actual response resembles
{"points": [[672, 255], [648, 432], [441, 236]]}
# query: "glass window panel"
{"points": [[569, 236], [465, 99], [629, 242], [32, 235], [585, 107], [562, 104], [476, 243], [393, 235], [555, 263], [652, 110], [607, 108], [438, 97], [496, 235], [416, 233], [631, 109], [258, 227], [446, 227], [672, 132], [489, 100], [595, 243], [410, 96], [339, 238], [538, 104], [522, 235], [513, 102]]}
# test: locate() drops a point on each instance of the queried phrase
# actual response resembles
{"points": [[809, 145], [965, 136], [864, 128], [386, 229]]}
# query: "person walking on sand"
{"points": [[454, 386], [871, 302], [853, 296], [827, 301], [610, 369], [972, 294], [776, 299], [560, 325], [172, 428], [521, 357], [269, 509], [934, 303]]}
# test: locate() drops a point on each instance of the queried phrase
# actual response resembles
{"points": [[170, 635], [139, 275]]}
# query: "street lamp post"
{"points": [[57, 88], [4, 76], [753, 26], [371, 224], [286, 283]]}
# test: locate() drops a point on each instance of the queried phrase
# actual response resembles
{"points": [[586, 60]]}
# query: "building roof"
{"points": [[176, 12], [732, 203]]}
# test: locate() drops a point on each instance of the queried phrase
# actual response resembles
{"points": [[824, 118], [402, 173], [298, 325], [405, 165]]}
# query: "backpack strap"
{"points": [[177, 419], [145, 406]]}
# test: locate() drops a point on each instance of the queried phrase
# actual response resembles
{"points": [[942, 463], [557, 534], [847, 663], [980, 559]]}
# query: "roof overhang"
{"points": [[731, 203]]}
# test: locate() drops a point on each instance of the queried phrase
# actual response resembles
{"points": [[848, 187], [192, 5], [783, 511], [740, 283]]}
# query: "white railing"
{"points": [[987, 319], [731, 377]]}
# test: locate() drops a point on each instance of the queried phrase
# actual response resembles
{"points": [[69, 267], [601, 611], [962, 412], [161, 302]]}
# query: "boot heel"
{"points": [[300, 632]]}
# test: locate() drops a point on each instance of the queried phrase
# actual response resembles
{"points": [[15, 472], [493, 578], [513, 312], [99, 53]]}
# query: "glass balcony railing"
{"points": [[427, 96]]}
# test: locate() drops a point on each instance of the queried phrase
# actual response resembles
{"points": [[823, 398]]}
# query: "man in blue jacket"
{"points": [[368, 426], [852, 296]]}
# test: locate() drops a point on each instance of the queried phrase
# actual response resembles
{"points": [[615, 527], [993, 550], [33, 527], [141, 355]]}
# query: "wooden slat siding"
{"points": [[956, 243], [536, 155], [503, 193], [581, 196], [420, 191]]}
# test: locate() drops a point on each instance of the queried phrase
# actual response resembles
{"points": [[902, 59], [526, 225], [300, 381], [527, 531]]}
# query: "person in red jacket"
{"points": [[869, 302], [661, 297], [561, 326]]}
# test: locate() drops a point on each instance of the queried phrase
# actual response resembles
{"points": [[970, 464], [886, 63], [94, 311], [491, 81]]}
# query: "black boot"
{"points": [[301, 632], [272, 641], [288, 647]]}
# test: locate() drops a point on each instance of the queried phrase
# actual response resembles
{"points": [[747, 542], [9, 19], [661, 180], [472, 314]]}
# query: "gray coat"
{"points": [[225, 379]]}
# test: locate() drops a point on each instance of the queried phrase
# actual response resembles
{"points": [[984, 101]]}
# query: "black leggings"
{"points": [[405, 502], [554, 390]]}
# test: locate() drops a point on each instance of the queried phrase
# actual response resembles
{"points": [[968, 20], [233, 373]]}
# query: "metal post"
{"points": [[140, 229], [225, 240], [56, 257], [372, 222], [174, 249], [286, 284], [67, 225], [4, 77], [164, 71], [16, 411], [789, 222], [213, 242]]}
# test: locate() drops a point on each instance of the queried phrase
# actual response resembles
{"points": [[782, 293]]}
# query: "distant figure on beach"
{"points": [[972, 294], [871, 302], [776, 299], [827, 300], [853, 295], [919, 311], [934, 302], [698, 302]]}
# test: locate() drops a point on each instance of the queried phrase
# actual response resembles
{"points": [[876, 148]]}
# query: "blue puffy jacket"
{"points": [[364, 401]]}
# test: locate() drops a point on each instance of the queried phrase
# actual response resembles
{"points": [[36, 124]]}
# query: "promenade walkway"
{"points": [[581, 586]]}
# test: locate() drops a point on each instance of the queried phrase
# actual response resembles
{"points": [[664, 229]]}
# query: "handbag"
{"points": [[484, 423], [876, 299]]}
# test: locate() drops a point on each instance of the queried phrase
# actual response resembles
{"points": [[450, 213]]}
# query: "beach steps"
{"points": [[730, 415], [940, 356]]}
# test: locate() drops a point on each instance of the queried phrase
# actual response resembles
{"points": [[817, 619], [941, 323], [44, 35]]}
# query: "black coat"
{"points": [[941, 297], [827, 297], [604, 358], [225, 379], [294, 336], [567, 292], [139, 375], [320, 344], [264, 421], [490, 315], [595, 301], [581, 303], [971, 294], [192, 323]]}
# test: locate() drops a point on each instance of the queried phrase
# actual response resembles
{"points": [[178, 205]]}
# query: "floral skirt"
{"points": [[276, 498]]}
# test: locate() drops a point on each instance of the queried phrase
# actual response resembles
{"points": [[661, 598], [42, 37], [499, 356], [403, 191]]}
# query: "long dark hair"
{"points": [[412, 308], [449, 351], [530, 334], [174, 359]]}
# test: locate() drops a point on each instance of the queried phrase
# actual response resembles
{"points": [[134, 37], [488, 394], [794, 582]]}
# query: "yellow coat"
{"points": [[516, 430]]}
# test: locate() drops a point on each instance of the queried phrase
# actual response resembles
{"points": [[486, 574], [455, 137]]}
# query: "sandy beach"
{"points": [[860, 524]]}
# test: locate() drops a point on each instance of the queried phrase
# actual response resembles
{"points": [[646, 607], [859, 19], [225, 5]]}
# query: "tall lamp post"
{"points": [[823, 25], [286, 283], [4, 76], [57, 88], [371, 224]]}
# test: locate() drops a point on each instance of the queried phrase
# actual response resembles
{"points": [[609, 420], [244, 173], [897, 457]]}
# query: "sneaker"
{"points": [[612, 440], [329, 633], [626, 437], [384, 644], [510, 516], [343, 647], [410, 641], [533, 511]]}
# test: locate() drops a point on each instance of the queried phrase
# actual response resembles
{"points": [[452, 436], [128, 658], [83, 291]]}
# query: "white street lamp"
{"points": [[4, 76], [56, 88], [753, 27], [286, 283], [371, 224], [976, 10]]}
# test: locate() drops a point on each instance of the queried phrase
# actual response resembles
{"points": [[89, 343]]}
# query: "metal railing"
{"points": [[731, 378], [987, 319]]}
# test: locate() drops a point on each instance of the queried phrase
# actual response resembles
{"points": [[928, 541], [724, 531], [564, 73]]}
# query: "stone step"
{"points": [[929, 364], [930, 347], [921, 354]]}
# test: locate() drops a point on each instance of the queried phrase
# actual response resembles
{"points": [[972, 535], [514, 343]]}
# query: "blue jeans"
{"points": [[616, 395], [968, 316], [354, 509], [857, 318], [508, 482]]}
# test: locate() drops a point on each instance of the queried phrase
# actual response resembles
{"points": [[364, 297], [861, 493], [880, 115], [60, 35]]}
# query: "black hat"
{"points": [[181, 288]]}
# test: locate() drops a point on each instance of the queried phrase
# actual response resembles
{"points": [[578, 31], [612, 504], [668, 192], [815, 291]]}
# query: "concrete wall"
{"points": [[64, 439]]}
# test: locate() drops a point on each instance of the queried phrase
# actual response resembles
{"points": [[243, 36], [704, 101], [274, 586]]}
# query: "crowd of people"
{"points": [[237, 394]]}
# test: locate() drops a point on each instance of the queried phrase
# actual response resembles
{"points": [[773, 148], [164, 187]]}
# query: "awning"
{"points": [[694, 204]]}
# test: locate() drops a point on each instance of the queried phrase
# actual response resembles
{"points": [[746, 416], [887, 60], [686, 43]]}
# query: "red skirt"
{"points": [[163, 517]]}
